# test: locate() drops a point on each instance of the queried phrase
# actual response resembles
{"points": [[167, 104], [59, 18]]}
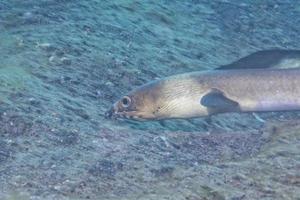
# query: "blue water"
{"points": [[63, 64]]}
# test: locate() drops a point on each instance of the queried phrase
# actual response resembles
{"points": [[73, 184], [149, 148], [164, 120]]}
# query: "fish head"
{"points": [[182, 96], [139, 104]]}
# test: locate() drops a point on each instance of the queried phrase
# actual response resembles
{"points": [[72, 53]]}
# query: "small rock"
{"points": [[34, 102], [66, 61], [46, 46], [51, 59]]}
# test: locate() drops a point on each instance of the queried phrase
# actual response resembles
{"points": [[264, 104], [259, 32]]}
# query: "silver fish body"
{"points": [[205, 93]]}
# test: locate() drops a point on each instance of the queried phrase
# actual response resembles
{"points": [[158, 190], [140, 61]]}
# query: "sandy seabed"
{"points": [[63, 63]]}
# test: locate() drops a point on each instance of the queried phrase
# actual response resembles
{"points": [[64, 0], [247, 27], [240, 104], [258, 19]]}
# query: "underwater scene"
{"points": [[149, 100]]}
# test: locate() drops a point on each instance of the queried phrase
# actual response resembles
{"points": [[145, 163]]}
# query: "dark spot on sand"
{"points": [[105, 168]]}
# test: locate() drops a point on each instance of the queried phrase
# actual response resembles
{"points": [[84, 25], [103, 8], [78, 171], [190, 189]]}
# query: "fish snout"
{"points": [[114, 112], [111, 113]]}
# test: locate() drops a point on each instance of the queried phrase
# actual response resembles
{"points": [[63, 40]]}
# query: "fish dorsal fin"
{"points": [[274, 58], [217, 102]]}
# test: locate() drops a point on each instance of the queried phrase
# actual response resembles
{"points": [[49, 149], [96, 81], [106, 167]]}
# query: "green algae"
{"points": [[13, 79], [17, 196], [14, 74]]}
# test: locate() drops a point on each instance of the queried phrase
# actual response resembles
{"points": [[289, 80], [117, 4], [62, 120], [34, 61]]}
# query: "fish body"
{"points": [[205, 93], [263, 81]]}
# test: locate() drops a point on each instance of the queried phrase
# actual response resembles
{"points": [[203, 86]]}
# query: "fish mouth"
{"points": [[110, 114], [113, 114]]}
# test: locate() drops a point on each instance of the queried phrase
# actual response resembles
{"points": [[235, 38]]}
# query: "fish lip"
{"points": [[113, 114], [125, 115]]}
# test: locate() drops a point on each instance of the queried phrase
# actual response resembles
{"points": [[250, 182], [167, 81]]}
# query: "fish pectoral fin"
{"points": [[217, 102]]}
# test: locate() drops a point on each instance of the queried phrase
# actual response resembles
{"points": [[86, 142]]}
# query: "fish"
{"points": [[274, 87]]}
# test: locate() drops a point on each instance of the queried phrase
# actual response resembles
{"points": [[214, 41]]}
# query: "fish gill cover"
{"points": [[63, 63]]}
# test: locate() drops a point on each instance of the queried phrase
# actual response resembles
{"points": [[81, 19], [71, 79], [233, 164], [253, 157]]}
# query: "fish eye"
{"points": [[126, 101]]}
